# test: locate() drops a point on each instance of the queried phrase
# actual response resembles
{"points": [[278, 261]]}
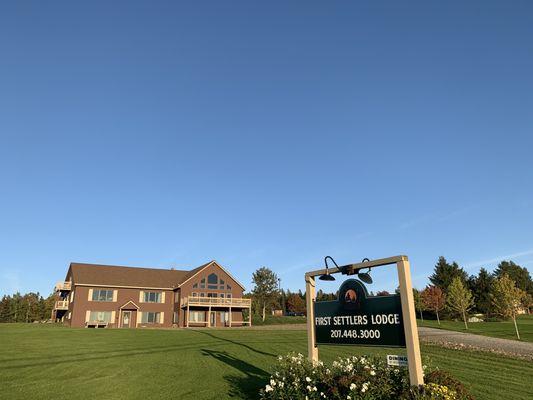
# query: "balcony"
{"points": [[61, 305], [216, 302], [63, 286]]}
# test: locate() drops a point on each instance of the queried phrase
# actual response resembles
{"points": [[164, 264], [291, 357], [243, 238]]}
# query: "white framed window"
{"points": [[100, 316], [152, 297], [151, 317], [197, 316], [176, 318], [194, 294], [102, 295]]}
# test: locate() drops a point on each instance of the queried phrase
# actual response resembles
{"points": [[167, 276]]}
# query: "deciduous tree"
{"points": [[419, 305], [295, 304], [434, 299], [507, 298], [459, 298], [266, 288]]}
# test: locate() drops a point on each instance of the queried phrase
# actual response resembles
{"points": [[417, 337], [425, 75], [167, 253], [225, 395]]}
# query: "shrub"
{"points": [[354, 378]]}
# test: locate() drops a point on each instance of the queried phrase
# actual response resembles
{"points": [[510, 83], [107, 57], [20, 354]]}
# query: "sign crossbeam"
{"points": [[356, 318]]}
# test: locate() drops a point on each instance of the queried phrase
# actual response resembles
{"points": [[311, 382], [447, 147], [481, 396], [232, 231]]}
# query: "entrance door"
{"points": [[213, 318], [126, 319]]}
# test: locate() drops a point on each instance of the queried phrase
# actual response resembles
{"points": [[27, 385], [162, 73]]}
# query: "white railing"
{"points": [[63, 286], [61, 305], [216, 301]]}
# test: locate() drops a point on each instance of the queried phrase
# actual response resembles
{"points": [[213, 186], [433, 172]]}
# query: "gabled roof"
{"points": [[201, 267], [115, 275]]}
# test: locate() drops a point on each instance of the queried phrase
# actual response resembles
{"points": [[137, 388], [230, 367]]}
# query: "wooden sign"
{"points": [[359, 319]]}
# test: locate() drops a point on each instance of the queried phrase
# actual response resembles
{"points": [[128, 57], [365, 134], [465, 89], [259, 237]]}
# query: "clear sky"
{"points": [[257, 133]]}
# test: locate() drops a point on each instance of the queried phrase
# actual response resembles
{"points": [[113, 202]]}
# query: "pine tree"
{"points": [[445, 273], [459, 298], [519, 275], [481, 286]]}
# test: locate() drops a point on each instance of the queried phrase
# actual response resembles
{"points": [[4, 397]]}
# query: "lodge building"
{"points": [[106, 296]]}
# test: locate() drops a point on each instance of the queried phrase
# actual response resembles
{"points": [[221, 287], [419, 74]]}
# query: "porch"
{"points": [[213, 306]]}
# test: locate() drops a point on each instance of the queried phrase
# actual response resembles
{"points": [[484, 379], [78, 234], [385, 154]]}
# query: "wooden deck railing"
{"points": [[61, 305], [216, 301], [63, 286]]}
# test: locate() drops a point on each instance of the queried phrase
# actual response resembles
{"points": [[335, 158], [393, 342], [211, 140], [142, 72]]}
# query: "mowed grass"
{"points": [[503, 329], [44, 362]]}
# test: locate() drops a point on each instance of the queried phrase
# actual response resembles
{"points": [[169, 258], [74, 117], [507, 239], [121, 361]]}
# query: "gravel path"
{"points": [[461, 340]]}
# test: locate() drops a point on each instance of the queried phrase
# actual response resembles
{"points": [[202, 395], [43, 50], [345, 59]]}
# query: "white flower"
{"points": [[308, 379], [268, 388], [353, 386], [272, 382], [348, 397], [372, 372], [365, 387]]}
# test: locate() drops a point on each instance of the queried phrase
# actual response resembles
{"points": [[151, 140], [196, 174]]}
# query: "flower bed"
{"points": [[296, 378]]}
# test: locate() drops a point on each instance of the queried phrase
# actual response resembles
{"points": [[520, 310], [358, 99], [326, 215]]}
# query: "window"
{"points": [[212, 281], [195, 286], [202, 294], [221, 281], [222, 295], [102, 295], [202, 284], [228, 295], [197, 316], [150, 317], [224, 316], [152, 297], [228, 287], [176, 318], [212, 294], [100, 316], [194, 294]]}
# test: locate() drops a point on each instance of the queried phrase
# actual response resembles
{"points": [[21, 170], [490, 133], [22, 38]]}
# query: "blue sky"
{"points": [[264, 134]]}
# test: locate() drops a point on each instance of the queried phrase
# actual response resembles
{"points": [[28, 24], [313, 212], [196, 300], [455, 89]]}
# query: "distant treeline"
{"points": [[29, 307]]}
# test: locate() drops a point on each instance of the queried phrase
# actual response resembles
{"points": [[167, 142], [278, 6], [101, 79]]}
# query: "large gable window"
{"points": [[212, 281]]}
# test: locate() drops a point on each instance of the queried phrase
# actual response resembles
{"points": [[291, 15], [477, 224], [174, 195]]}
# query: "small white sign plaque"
{"points": [[396, 361]]}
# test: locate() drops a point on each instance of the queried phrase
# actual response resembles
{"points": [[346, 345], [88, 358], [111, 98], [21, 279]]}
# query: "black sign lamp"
{"points": [[365, 276], [327, 276]]}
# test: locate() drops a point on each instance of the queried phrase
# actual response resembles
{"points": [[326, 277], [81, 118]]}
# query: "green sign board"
{"points": [[359, 319]]}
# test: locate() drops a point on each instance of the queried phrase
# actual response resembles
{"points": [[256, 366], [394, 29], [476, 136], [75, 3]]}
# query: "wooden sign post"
{"points": [[358, 319]]}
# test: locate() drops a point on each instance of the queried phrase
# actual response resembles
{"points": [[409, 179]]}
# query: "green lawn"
{"points": [[44, 362], [504, 329]]}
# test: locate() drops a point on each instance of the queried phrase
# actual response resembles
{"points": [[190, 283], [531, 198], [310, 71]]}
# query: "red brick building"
{"points": [[127, 297]]}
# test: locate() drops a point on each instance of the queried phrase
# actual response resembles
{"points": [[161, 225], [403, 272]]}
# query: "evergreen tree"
{"points": [[444, 273], [481, 286], [519, 275], [459, 298]]}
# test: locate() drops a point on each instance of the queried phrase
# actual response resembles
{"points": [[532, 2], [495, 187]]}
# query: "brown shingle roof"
{"points": [[128, 276]]}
